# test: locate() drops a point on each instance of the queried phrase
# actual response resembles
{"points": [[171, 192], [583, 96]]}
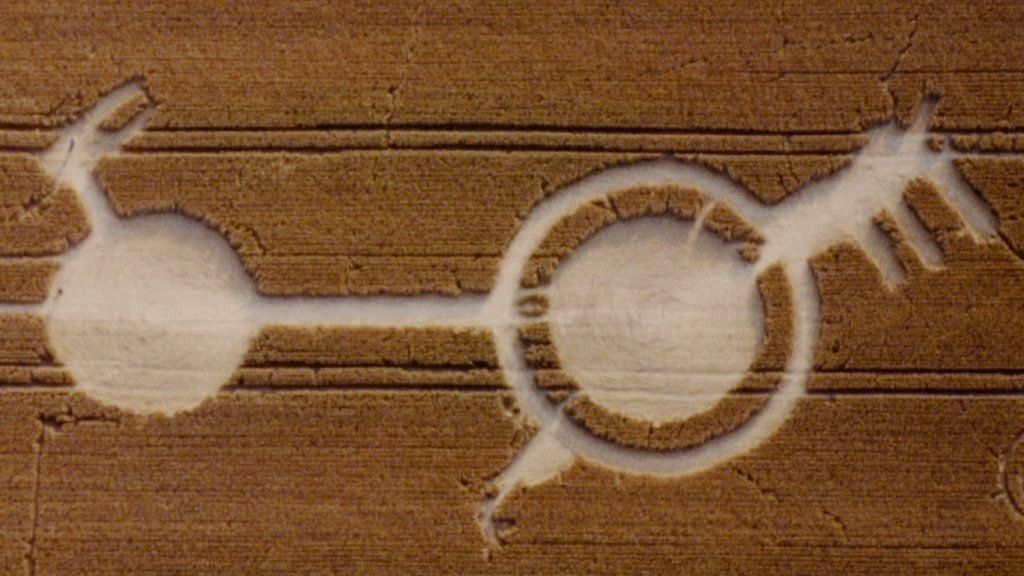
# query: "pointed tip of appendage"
{"points": [[922, 121], [542, 458]]}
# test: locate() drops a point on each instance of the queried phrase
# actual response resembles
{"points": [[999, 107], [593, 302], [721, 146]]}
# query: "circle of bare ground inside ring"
{"points": [[748, 396], [742, 402]]}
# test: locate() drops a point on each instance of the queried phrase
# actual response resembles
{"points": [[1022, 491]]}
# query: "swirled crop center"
{"points": [[655, 320]]}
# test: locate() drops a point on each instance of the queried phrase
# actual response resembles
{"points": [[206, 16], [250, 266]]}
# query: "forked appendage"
{"points": [[83, 142], [71, 159], [542, 458]]}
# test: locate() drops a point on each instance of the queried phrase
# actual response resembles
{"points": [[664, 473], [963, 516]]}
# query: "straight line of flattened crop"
{"points": [[473, 128], [918, 392], [1017, 372], [469, 389], [468, 148]]}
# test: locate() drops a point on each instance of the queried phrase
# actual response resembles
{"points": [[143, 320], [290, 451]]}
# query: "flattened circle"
{"points": [[657, 335], [655, 321], [152, 316]]}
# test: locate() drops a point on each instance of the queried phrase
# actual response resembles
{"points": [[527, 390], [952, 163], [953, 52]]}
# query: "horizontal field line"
{"points": [[451, 138], [482, 370], [410, 367], [483, 128], [526, 148], [367, 388], [920, 393], [921, 371], [753, 391]]}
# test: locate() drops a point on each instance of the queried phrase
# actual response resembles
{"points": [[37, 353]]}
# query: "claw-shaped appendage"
{"points": [[875, 201]]}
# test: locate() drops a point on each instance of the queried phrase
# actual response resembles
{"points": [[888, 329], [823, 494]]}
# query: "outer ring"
{"points": [[576, 438]]}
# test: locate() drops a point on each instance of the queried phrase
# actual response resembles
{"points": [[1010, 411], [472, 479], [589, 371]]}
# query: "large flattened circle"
{"points": [[657, 333]]}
